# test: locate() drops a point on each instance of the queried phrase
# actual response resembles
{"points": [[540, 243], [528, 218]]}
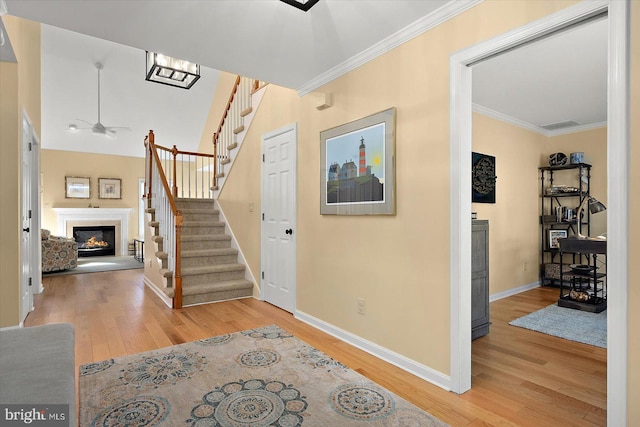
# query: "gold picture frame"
{"points": [[76, 187], [109, 188]]}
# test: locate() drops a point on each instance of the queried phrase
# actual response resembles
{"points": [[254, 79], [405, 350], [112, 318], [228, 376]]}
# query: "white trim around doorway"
{"points": [[618, 189]]}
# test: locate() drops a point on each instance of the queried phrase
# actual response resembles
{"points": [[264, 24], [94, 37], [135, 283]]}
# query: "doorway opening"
{"points": [[618, 187]]}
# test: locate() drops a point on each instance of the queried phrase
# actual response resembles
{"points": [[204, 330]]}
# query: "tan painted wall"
{"points": [[513, 220], [399, 264], [514, 233], [19, 90], [633, 374], [9, 194], [56, 164]]}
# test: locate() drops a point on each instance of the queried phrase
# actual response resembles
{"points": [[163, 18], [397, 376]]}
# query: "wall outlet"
{"points": [[362, 309]]}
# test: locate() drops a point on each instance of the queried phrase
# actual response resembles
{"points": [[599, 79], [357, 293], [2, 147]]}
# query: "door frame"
{"points": [[30, 195], [618, 146], [36, 210], [294, 198]]}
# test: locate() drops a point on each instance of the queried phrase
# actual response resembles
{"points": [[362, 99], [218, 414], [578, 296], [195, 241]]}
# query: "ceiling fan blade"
{"points": [[98, 128]]}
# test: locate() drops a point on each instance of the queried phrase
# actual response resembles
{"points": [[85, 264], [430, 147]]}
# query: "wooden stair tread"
{"points": [[238, 129], [150, 210], [232, 146], [225, 161], [162, 255], [246, 111]]}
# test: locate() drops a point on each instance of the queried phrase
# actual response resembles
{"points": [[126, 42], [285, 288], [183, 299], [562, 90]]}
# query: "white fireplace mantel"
{"points": [[78, 215]]}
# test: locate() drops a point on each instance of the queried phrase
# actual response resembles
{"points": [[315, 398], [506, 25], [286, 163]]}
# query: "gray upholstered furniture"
{"points": [[37, 366], [58, 253]]}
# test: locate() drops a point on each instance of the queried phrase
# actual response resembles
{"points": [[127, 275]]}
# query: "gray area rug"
{"points": [[262, 377], [100, 263], [567, 323]]}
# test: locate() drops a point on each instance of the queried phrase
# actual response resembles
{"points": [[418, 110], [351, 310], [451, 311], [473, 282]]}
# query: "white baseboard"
{"points": [[168, 301], [510, 292], [8, 328], [396, 359]]}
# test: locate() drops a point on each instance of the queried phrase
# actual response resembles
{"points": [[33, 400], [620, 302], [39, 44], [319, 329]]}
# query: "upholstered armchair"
{"points": [[58, 253]]}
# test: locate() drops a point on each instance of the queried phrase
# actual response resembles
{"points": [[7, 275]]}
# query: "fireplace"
{"points": [[87, 217], [95, 240]]}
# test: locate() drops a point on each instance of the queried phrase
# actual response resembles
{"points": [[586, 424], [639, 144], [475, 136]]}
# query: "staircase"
{"points": [[195, 258], [210, 268]]}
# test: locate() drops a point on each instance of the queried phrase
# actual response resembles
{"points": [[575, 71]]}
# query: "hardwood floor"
{"points": [[520, 377]]}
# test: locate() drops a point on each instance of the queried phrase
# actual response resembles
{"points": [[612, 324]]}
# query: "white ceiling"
{"points": [[559, 78], [271, 41], [70, 92]]}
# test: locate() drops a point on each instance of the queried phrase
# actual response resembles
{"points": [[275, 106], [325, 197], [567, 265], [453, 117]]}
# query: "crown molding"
{"points": [[477, 108], [411, 31]]}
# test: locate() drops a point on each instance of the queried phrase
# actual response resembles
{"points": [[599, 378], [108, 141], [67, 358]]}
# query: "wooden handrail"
{"points": [[160, 147], [177, 288], [188, 153], [226, 110], [215, 162], [148, 143], [163, 178]]}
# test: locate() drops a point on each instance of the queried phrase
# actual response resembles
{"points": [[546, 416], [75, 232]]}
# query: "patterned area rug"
{"points": [[567, 323], [255, 378]]}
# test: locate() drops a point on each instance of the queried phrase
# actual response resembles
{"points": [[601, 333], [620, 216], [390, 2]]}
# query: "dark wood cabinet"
{"points": [[480, 319]]}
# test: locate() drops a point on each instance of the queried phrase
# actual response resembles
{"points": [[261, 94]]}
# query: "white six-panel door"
{"points": [[278, 232]]}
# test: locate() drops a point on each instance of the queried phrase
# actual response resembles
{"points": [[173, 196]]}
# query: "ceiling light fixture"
{"points": [[170, 71], [301, 4]]}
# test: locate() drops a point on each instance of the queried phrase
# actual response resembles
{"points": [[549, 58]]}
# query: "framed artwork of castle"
{"points": [[357, 166]]}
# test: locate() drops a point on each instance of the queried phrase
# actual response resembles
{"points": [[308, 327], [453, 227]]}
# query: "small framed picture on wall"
{"points": [[109, 188], [77, 187]]}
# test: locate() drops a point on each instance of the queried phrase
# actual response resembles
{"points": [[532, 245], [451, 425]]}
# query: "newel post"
{"points": [[151, 147], [215, 160], [174, 190], [177, 297]]}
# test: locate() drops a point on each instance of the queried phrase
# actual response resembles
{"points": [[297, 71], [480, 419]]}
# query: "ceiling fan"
{"points": [[98, 128]]}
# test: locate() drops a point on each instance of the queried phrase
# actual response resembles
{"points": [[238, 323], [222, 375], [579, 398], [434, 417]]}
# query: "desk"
{"points": [[138, 250], [596, 298]]}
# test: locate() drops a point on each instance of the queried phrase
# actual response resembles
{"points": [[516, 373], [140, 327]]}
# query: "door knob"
{"points": [[289, 231], [26, 229]]}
